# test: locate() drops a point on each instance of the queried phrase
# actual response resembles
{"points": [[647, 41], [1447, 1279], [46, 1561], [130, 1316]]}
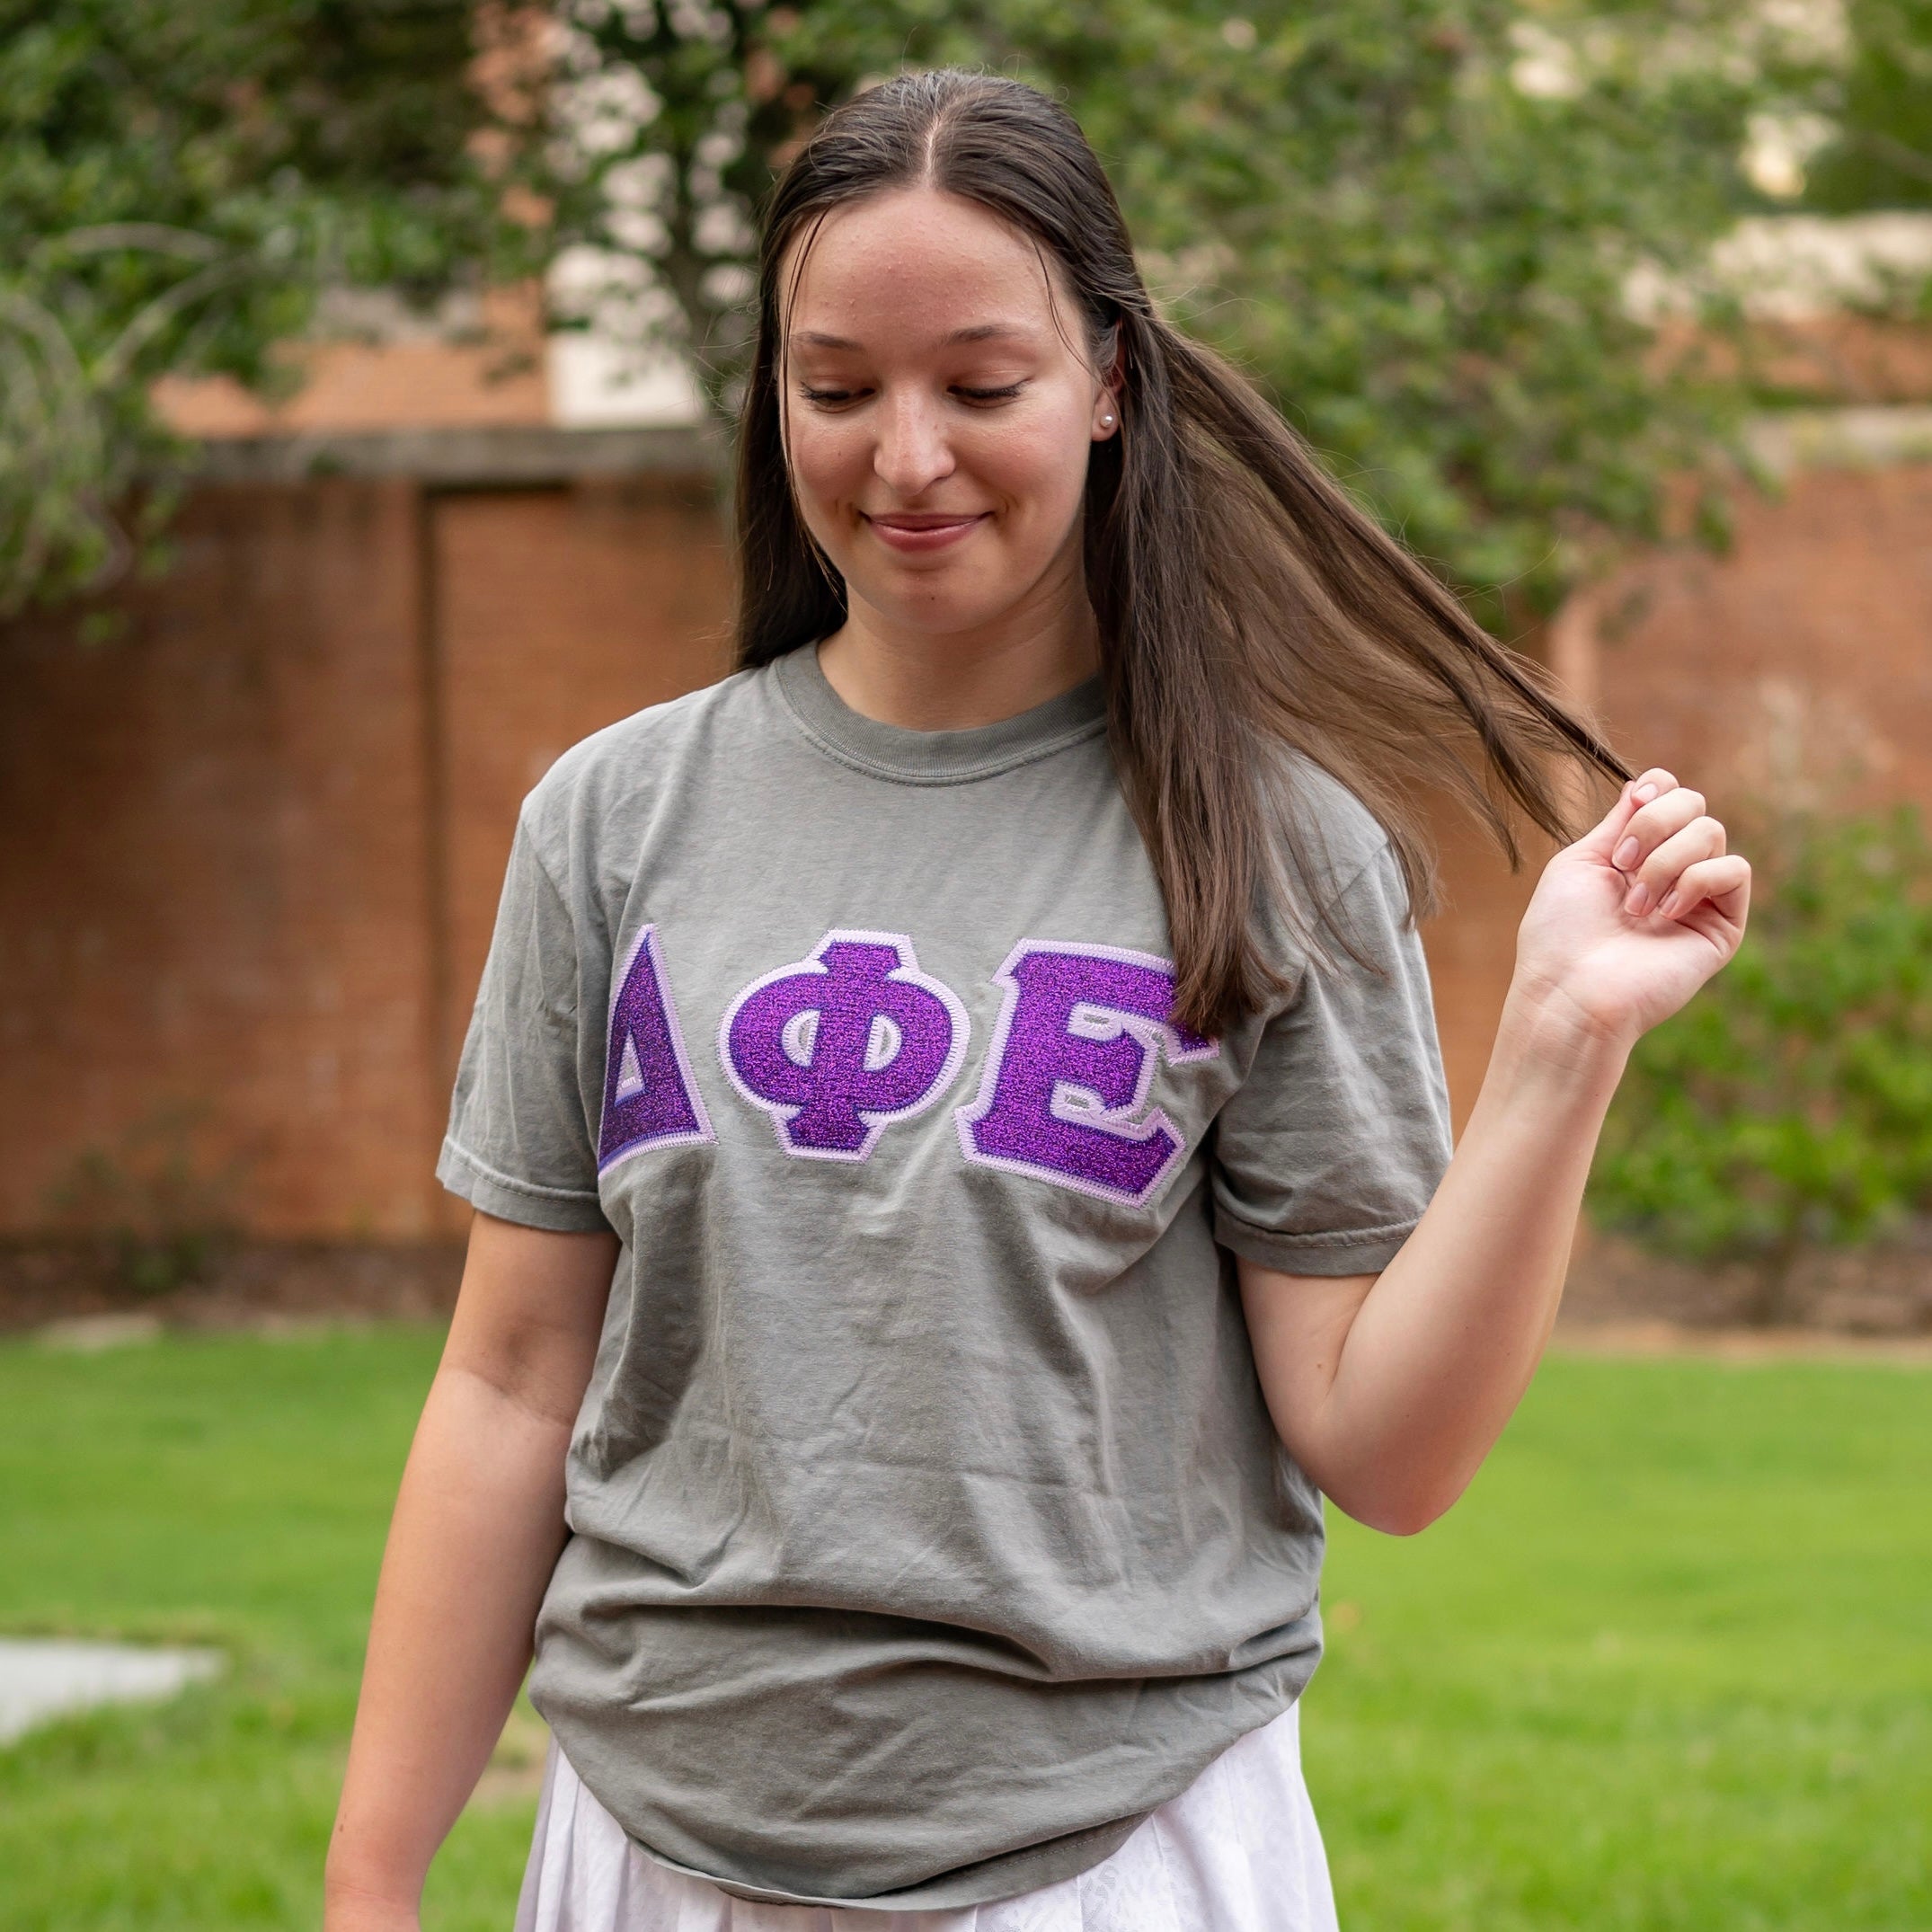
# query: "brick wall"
{"points": [[249, 849], [213, 874], [1800, 663]]}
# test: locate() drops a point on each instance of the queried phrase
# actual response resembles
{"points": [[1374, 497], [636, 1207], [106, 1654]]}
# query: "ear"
{"points": [[1108, 412]]}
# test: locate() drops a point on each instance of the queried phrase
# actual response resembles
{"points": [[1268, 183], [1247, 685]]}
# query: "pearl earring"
{"points": [[1107, 422]]}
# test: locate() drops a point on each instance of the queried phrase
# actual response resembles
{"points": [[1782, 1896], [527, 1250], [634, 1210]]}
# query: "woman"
{"points": [[960, 1149]]}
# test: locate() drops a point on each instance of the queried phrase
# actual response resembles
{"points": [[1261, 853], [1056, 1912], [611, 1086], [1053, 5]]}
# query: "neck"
{"points": [[899, 674]]}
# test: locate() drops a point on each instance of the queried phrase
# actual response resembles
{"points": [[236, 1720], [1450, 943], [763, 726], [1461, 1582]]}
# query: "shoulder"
{"points": [[1325, 835], [605, 785]]}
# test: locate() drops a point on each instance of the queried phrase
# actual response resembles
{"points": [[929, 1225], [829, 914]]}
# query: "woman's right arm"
{"points": [[477, 1529]]}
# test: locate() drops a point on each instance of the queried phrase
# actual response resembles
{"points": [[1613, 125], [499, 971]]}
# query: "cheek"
{"points": [[1039, 466], [831, 456]]}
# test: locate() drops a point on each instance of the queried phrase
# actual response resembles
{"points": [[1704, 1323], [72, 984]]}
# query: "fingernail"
{"points": [[1646, 793], [1668, 903], [1639, 898], [1623, 854]]}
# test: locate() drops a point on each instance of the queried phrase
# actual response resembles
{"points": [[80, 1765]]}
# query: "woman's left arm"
{"points": [[1389, 1389]]}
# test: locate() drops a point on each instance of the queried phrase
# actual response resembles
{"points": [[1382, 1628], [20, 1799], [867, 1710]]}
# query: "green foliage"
{"points": [[178, 180], [665, 125], [1792, 1100], [1415, 221], [1882, 156]]}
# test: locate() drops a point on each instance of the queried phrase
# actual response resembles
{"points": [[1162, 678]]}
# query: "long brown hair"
{"points": [[1243, 602]]}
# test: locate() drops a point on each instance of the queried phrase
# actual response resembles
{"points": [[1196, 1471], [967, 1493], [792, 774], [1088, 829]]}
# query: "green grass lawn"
{"points": [[1669, 1665]]}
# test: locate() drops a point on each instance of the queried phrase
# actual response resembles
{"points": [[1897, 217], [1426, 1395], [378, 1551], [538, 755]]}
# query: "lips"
{"points": [[922, 530]]}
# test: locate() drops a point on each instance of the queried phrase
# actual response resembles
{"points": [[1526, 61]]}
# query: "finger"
{"points": [[1722, 882], [1702, 838], [1603, 838], [1652, 826]]}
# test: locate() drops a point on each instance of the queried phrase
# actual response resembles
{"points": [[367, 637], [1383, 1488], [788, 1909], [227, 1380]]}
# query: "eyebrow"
{"points": [[980, 332]]}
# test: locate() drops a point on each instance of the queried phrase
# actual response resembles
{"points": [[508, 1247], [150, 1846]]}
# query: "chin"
{"points": [[925, 600], [941, 616]]}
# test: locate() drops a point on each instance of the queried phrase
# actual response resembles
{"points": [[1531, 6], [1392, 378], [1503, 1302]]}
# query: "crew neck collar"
{"points": [[910, 757]]}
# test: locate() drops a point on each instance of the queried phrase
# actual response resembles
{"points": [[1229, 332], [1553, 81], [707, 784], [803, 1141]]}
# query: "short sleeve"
{"points": [[519, 1144], [1327, 1154]]}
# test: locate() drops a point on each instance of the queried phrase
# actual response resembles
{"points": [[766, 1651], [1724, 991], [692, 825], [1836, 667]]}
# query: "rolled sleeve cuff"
{"points": [[1343, 1251], [561, 1210]]}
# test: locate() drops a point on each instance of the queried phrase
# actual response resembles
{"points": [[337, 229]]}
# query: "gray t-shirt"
{"points": [[929, 1527]]}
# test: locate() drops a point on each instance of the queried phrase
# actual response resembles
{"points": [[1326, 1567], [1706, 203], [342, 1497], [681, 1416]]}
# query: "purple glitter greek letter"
{"points": [[838, 1046], [1080, 1036], [649, 1098]]}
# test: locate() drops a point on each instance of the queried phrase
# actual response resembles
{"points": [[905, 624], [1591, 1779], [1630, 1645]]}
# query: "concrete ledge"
{"points": [[1842, 439], [474, 458]]}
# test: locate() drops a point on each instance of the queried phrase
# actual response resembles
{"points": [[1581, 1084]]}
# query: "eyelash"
{"points": [[831, 398]]}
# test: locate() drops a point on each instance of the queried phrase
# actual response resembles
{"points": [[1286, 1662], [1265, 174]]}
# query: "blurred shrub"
{"points": [[1880, 156], [1791, 1102], [159, 1215], [179, 182], [1417, 222]]}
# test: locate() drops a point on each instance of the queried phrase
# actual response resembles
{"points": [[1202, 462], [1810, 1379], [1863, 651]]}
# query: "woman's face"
{"points": [[937, 421]]}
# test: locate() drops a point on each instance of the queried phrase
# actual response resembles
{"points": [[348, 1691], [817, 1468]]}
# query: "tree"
{"points": [[1415, 221], [179, 181], [1882, 155], [649, 131]]}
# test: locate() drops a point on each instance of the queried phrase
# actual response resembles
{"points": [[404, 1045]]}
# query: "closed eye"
{"points": [[837, 398]]}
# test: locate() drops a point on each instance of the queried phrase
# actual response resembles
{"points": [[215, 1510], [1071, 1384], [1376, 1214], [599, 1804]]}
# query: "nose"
{"points": [[911, 453]]}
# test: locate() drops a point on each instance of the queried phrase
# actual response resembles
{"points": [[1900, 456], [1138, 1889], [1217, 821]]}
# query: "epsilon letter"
{"points": [[1080, 1035]]}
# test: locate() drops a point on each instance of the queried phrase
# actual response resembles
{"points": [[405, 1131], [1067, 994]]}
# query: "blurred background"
{"points": [[366, 369]]}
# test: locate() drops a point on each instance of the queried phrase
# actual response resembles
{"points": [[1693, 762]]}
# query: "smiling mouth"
{"points": [[915, 530]]}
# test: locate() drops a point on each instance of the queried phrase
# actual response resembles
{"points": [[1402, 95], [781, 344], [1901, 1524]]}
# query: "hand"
{"points": [[1619, 934]]}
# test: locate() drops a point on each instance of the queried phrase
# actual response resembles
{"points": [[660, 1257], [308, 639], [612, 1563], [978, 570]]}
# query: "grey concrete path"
{"points": [[41, 1677]]}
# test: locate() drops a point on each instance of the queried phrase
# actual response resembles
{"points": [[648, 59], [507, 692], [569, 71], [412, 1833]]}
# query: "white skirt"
{"points": [[1237, 1851]]}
